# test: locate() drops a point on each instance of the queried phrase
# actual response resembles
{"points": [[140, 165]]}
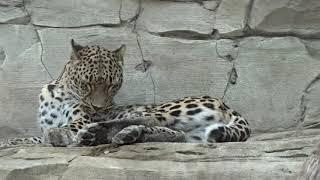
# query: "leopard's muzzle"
{"points": [[99, 96]]}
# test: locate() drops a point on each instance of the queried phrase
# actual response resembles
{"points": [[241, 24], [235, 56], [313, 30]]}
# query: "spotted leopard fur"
{"points": [[78, 108]]}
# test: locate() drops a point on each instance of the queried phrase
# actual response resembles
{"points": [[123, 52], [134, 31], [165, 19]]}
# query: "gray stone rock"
{"points": [[157, 16], [230, 17], [13, 15], [312, 101], [11, 12], [312, 91], [284, 135], [16, 3], [273, 74], [129, 9], [312, 47], [7, 131], [21, 76], [281, 158], [62, 13], [211, 5], [227, 49], [297, 16], [184, 67], [297, 147]]}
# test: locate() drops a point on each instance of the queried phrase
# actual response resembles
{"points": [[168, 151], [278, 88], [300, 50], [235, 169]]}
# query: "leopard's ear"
{"points": [[120, 53], [121, 50], [75, 48]]}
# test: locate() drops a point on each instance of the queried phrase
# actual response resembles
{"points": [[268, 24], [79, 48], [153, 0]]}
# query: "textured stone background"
{"points": [[261, 56]]}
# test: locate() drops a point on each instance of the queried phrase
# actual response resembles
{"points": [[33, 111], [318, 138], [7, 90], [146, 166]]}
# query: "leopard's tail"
{"points": [[20, 141], [236, 130]]}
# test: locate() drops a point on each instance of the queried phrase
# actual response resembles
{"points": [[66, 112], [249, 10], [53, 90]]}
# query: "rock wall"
{"points": [[261, 56]]}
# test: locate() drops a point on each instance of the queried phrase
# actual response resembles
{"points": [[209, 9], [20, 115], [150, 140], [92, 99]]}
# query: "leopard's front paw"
{"points": [[128, 135], [59, 137], [95, 134], [87, 135]]}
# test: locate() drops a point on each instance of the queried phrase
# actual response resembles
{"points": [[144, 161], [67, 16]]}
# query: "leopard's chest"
{"points": [[55, 107]]}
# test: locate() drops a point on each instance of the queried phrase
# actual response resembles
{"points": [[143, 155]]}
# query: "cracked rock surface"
{"points": [[299, 16], [279, 154], [62, 13], [156, 16], [261, 57]]}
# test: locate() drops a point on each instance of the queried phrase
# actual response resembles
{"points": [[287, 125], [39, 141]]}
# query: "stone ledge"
{"points": [[282, 158]]}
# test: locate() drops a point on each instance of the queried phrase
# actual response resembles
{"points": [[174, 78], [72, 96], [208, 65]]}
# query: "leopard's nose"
{"points": [[96, 108]]}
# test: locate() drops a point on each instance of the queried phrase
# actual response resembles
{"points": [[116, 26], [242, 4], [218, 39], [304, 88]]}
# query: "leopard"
{"points": [[89, 80], [78, 108]]}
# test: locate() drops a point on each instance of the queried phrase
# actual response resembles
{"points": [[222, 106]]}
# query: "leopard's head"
{"points": [[94, 74]]}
